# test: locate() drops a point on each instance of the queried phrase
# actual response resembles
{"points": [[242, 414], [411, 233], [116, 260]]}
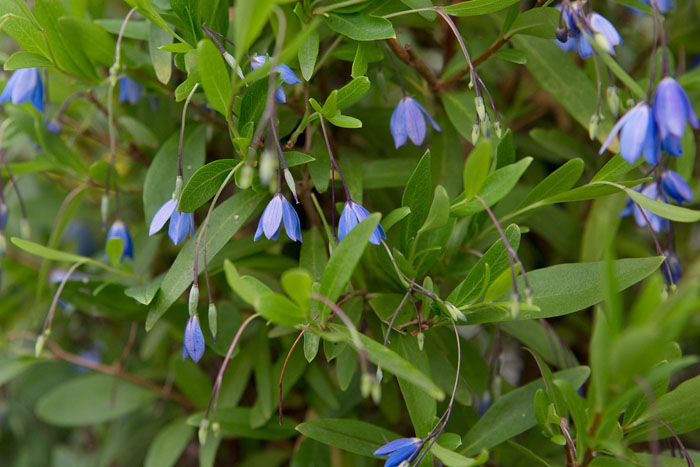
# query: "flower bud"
{"points": [[379, 375], [421, 340], [268, 165], [562, 34], [366, 383], [291, 183], [212, 320], [39, 346], [246, 178], [480, 107], [194, 299], [376, 393], [613, 97], [216, 429], [593, 126], [25, 231], [515, 306], [497, 128], [455, 313], [178, 188], [630, 103], [104, 209], [476, 132], [486, 127], [203, 430], [3, 244], [232, 63], [602, 41]]}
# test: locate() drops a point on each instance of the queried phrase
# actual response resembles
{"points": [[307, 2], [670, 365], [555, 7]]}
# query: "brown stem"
{"points": [[122, 362], [284, 368], [412, 59]]}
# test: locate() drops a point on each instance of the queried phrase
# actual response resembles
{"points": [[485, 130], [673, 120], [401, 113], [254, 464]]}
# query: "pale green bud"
{"points": [[216, 429], [613, 97], [480, 107], [630, 103], [421, 340], [268, 164], [203, 430], [497, 128], [3, 244], [290, 182], [366, 383], [246, 178], [25, 231], [39, 346], [232, 63], [593, 126], [486, 127], [194, 299], [178, 188], [376, 393], [476, 132], [380, 374], [455, 313], [104, 208], [515, 306], [212, 320]]}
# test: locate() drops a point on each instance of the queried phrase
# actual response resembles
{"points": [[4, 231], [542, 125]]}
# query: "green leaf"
{"points": [[459, 106], [78, 32], [477, 7], [452, 459], [496, 186], [511, 55], [353, 91], [248, 22], [253, 102], [191, 380], [226, 220], [361, 26], [160, 179], [359, 64], [26, 60], [667, 211], [476, 168], [279, 309], [214, 75], [21, 25], [307, 54], [297, 284], [513, 413], [248, 288], [114, 249], [87, 400], [395, 216], [313, 256], [188, 12], [235, 424], [557, 182], [349, 435], [343, 261], [439, 213], [48, 253], [416, 197], [147, 11], [160, 57], [169, 444], [538, 22], [345, 121], [204, 184], [566, 288]]}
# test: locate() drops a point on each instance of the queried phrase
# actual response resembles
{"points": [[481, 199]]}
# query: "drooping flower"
{"points": [[399, 450], [181, 223], [279, 209], [288, 76], [352, 215], [129, 90], [579, 26], [24, 85], [672, 109], [193, 345], [637, 135], [408, 122], [119, 230], [675, 187]]}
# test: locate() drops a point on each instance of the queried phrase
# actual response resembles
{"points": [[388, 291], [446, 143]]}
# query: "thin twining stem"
{"points": [[396, 68], [182, 130], [659, 251], [57, 295], [333, 161]]}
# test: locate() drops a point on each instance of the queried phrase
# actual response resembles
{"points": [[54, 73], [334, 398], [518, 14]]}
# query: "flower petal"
{"points": [[676, 187], [392, 446], [162, 216], [634, 133], [414, 121], [287, 74], [427, 115], [179, 226], [398, 124], [291, 221], [616, 129], [272, 217], [669, 108], [348, 221]]}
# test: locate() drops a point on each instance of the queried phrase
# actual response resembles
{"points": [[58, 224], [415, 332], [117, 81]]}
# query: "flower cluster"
{"points": [[575, 34]]}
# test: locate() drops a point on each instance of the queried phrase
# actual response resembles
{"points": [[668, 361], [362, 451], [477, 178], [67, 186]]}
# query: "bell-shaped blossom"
{"points": [[675, 187], [579, 27], [638, 135], [24, 85], [286, 73], [181, 223], [399, 450], [277, 211], [119, 230], [408, 122], [672, 109], [352, 215], [193, 345], [129, 90]]}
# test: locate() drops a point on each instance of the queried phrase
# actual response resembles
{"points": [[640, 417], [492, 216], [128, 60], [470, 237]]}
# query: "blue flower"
{"points": [[119, 230], [4, 214], [657, 223], [675, 187], [637, 134], [595, 25], [399, 450], [662, 5], [672, 109], [24, 85], [408, 120], [193, 345], [129, 90], [673, 264], [181, 223], [54, 126], [278, 210], [352, 215], [288, 76]]}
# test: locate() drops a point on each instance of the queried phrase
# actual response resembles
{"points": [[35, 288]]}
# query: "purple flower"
{"points": [[24, 85], [399, 450], [637, 134], [672, 109], [277, 211], [54, 126], [119, 230], [288, 76], [352, 215], [193, 345], [408, 121], [657, 223], [675, 187], [129, 90], [673, 264], [4, 214], [181, 223], [595, 25]]}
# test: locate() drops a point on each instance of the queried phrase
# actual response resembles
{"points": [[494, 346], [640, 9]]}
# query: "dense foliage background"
{"points": [[591, 358]]}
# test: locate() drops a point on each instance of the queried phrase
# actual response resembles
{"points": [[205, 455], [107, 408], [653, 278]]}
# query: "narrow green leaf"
{"points": [[279, 309], [349, 435], [161, 58], [360, 26], [169, 444], [439, 213], [214, 75], [557, 182], [477, 7], [476, 168], [307, 54], [204, 184]]}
